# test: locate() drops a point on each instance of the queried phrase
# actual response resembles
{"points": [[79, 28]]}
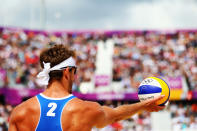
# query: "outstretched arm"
{"points": [[109, 115]]}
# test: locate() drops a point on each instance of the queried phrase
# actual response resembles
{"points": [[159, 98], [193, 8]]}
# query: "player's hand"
{"points": [[151, 106]]}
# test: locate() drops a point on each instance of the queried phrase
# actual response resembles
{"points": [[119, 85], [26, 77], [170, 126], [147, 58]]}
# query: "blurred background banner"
{"points": [[176, 87], [175, 83], [16, 96], [194, 95], [102, 80]]}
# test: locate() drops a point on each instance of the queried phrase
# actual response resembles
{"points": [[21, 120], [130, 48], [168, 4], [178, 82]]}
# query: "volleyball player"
{"points": [[56, 109]]}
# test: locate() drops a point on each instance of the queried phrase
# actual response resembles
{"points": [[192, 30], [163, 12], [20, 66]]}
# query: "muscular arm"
{"points": [[107, 115]]}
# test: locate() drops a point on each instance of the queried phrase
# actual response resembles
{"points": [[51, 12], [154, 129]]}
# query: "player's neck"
{"points": [[57, 90]]}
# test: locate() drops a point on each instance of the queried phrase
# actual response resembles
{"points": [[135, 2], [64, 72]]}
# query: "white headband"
{"points": [[43, 76]]}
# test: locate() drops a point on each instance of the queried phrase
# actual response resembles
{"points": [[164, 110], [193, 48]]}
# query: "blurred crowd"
{"points": [[136, 56], [19, 55], [143, 54], [183, 117]]}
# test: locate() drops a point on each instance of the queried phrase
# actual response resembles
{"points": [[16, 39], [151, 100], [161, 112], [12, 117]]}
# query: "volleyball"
{"points": [[152, 87]]}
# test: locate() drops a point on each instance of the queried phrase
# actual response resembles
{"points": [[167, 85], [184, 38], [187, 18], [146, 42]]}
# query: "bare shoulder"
{"points": [[23, 109], [78, 103], [88, 107]]}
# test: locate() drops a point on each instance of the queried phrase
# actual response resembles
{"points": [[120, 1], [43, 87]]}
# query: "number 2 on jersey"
{"points": [[51, 111]]}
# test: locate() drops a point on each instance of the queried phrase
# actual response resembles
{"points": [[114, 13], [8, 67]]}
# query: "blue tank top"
{"points": [[51, 112]]}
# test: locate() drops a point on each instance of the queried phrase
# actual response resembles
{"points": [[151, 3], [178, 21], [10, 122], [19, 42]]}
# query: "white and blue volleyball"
{"points": [[152, 87]]}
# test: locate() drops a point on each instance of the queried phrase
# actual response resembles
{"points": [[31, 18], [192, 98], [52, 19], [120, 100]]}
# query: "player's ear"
{"points": [[66, 72]]}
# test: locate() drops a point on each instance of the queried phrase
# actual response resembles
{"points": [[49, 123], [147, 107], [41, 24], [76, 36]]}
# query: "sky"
{"points": [[99, 14]]}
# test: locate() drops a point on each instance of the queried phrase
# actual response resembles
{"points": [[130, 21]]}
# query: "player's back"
{"points": [[54, 114]]}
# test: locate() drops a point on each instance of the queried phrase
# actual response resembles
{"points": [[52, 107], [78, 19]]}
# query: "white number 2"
{"points": [[53, 107]]}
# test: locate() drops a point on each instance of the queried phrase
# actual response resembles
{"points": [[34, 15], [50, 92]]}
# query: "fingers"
{"points": [[155, 108], [153, 101], [159, 97], [160, 107], [151, 105]]}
